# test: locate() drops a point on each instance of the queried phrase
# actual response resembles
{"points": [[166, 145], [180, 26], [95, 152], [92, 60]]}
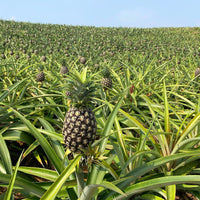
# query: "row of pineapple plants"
{"points": [[76, 102], [128, 128]]}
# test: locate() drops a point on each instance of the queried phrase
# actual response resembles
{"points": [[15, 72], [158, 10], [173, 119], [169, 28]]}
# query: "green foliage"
{"points": [[81, 89], [106, 72], [148, 123]]}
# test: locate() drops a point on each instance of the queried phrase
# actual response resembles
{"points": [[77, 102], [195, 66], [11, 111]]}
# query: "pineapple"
{"points": [[106, 80], [79, 127], [68, 93], [43, 58], [197, 72], [3, 56], [40, 77], [82, 60], [64, 69]]}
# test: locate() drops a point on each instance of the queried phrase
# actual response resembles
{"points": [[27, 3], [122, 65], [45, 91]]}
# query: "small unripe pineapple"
{"points": [[28, 56], [68, 93], [106, 80], [64, 70], [197, 72], [96, 65], [17, 57], [82, 60], [43, 58], [40, 77], [3, 56]]}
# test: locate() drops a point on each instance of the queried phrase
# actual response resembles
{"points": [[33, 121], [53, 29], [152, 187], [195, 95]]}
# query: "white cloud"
{"points": [[138, 17], [12, 19]]}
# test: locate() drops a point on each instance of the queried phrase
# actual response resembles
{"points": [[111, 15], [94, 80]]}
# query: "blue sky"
{"points": [[107, 13]]}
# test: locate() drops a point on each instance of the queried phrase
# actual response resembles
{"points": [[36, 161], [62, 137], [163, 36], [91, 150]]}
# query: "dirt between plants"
{"points": [[179, 196], [17, 195], [185, 196]]}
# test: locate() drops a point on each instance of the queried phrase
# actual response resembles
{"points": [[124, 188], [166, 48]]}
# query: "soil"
{"points": [[17, 195], [179, 196], [185, 196]]}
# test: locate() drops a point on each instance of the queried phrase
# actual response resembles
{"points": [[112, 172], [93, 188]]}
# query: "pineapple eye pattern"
{"points": [[77, 113], [79, 129], [76, 130], [68, 131], [81, 118], [87, 121], [89, 128], [89, 135], [67, 143], [73, 143], [78, 123], [71, 125], [78, 139], [83, 126], [80, 146], [73, 149], [73, 119], [85, 141], [86, 114], [82, 133]]}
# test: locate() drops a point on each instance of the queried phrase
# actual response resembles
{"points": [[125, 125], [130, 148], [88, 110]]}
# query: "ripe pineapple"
{"points": [[106, 80], [79, 127], [197, 72]]}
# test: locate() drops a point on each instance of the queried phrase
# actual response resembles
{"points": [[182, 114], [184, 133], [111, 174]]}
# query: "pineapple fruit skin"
{"points": [[197, 72], [79, 129], [40, 77], [106, 82], [64, 70], [82, 60]]}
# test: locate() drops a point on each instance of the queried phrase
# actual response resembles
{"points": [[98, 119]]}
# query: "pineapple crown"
{"points": [[106, 72], [63, 62], [41, 68], [81, 87]]}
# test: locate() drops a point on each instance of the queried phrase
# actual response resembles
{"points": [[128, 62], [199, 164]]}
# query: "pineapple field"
{"points": [[99, 113]]}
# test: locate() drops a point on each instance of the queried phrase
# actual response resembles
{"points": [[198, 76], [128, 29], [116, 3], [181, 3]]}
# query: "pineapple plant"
{"points": [[79, 127], [106, 80]]}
